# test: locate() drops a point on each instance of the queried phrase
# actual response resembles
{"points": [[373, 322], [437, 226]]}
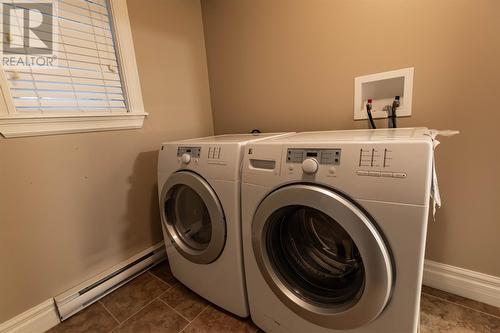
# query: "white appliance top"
{"points": [[214, 157], [387, 134], [232, 138], [389, 165]]}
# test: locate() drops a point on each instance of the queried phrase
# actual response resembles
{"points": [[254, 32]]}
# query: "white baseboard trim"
{"points": [[44, 316], [463, 282], [37, 319]]}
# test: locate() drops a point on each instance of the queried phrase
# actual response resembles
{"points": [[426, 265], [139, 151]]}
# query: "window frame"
{"points": [[15, 124]]}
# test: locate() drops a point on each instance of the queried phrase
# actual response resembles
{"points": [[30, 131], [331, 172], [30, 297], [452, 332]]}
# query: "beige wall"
{"points": [[289, 65], [74, 205]]}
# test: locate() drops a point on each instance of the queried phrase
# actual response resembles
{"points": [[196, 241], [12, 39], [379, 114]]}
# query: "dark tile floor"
{"points": [[156, 302]]}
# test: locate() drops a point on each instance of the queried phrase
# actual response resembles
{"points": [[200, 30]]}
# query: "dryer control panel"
{"points": [[323, 156], [194, 152]]}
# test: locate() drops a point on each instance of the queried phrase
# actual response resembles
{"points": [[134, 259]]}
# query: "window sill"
{"points": [[30, 125]]}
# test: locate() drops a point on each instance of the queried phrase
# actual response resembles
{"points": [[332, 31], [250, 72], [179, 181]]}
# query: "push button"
{"points": [[362, 173], [374, 173], [386, 174]]}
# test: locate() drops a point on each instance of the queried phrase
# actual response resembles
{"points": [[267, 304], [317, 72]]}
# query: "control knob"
{"points": [[310, 166], [186, 158]]}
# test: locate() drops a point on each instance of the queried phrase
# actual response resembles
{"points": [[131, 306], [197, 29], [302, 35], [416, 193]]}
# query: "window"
{"points": [[67, 66]]}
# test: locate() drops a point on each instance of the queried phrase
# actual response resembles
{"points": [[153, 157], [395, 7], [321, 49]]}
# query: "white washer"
{"points": [[199, 189], [334, 227]]}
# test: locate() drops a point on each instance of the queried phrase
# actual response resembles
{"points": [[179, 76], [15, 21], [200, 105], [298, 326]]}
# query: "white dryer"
{"points": [[334, 228], [199, 190]]}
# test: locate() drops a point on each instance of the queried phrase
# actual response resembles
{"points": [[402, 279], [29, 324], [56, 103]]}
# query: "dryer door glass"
{"points": [[190, 217], [315, 255], [193, 217]]}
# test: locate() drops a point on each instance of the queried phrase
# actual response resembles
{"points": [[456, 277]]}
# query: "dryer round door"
{"points": [[322, 256], [193, 217]]}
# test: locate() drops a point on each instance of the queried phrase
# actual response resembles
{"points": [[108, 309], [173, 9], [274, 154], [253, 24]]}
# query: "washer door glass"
{"points": [[190, 217], [322, 256], [193, 217], [315, 256]]}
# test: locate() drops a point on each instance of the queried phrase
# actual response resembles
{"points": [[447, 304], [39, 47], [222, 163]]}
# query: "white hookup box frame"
{"points": [[382, 88]]}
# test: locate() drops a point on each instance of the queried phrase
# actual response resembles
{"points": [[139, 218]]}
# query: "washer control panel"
{"points": [[194, 152], [378, 162], [388, 174], [214, 152], [323, 156], [375, 157]]}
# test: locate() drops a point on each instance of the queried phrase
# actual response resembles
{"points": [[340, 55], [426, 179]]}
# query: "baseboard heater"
{"points": [[90, 291]]}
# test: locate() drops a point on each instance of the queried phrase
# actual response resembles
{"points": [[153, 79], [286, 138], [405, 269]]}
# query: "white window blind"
{"points": [[86, 76]]}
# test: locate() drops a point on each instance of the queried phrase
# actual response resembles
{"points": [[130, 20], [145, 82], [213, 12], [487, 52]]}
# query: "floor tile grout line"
{"points": [[168, 285], [189, 323], [142, 308], [170, 306], [110, 313], [192, 321], [162, 301], [161, 280], [164, 292], [462, 305], [125, 320]]}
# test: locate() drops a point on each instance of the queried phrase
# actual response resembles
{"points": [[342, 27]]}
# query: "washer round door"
{"points": [[322, 256], [193, 217]]}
